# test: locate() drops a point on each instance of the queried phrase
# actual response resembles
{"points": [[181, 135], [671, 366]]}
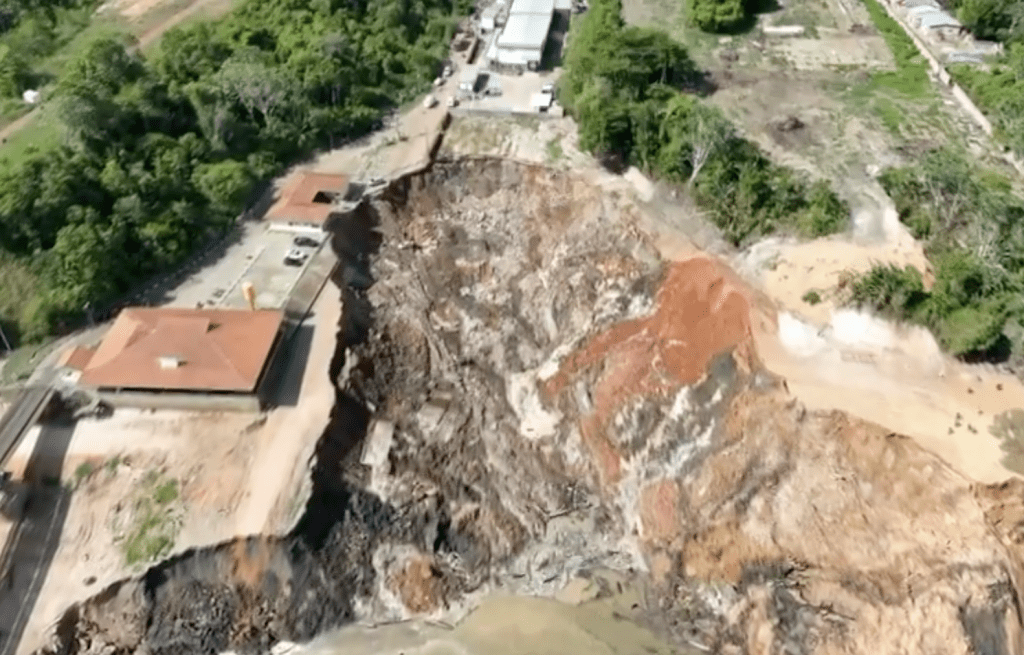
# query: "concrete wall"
{"points": [[186, 401], [508, 113]]}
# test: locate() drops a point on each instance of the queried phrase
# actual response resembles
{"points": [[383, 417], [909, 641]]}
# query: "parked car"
{"points": [[429, 101], [308, 242], [547, 88], [295, 258], [453, 102]]}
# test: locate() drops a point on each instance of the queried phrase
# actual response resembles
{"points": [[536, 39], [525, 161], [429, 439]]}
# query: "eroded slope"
{"points": [[526, 392]]}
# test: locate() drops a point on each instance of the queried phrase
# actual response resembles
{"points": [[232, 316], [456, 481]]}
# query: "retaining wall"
{"points": [[185, 401]]}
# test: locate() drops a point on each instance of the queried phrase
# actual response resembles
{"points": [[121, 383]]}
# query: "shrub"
{"points": [[716, 15], [889, 290], [812, 297]]}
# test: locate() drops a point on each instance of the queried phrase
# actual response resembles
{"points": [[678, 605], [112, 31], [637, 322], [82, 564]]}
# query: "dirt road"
{"points": [[286, 442]]}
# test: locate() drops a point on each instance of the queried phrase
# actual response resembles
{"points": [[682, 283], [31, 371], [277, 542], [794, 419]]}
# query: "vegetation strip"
{"points": [[623, 86]]}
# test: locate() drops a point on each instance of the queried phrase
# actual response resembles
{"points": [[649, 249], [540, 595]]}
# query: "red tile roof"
{"points": [[77, 358], [298, 201], [184, 349]]}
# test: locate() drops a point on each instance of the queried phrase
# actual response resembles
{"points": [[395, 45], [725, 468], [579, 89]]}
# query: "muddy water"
{"points": [[581, 621]]}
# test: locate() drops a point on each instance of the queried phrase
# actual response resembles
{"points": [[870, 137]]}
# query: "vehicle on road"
{"points": [[429, 102], [307, 242], [453, 102], [295, 257]]}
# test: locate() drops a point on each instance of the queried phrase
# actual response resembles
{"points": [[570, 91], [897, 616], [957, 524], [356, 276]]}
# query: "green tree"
{"points": [[225, 184], [14, 72], [716, 16]]}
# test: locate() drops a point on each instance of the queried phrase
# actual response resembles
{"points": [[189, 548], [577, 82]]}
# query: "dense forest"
{"points": [[624, 87], [161, 152]]}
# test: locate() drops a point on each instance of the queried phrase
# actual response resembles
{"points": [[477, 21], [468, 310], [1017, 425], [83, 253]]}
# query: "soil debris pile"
{"points": [[526, 393]]}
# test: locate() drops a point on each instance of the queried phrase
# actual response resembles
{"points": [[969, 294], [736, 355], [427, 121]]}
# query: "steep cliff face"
{"points": [[526, 391]]}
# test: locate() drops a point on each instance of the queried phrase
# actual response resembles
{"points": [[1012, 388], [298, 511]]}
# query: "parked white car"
{"points": [[429, 102]]}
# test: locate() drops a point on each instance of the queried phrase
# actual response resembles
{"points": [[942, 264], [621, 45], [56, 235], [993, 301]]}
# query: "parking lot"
{"points": [[516, 92], [256, 256]]}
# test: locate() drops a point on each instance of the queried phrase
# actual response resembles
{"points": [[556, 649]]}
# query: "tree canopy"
{"points": [[162, 152]]}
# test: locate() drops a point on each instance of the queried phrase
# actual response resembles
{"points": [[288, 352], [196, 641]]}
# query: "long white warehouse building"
{"points": [[522, 41]]}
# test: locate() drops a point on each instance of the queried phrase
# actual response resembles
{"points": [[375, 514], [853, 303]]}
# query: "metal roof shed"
{"points": [[937, 20], [921, 10], [910, 4], [525, 31], [532, 7]]}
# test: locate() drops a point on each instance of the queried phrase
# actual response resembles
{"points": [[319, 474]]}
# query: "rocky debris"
{"points": [[545, 397], [789, 124]]}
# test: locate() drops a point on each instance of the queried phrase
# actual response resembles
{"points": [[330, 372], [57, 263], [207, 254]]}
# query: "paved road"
{"points": [[20, 416], [26, 559]]}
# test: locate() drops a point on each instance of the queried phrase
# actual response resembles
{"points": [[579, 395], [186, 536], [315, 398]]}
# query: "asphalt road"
{"points": [[26, 559], [21, 415]]}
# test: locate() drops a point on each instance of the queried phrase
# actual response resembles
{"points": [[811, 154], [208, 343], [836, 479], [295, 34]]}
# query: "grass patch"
{"points": [[1008, 427], [154, 525], [554, 149], [890, 114], [23, 361], [84, 471], [41, 134], [910, 79], [812, 297], [112, 464], [166, 492]]}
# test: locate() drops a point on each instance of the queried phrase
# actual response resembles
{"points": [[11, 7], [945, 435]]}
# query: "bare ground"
{"points": [[235, 474]]}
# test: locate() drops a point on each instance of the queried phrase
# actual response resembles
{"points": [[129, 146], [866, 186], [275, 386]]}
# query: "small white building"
{"points": [[541, 102], [468, 80], [940, 23], [491, 18]]}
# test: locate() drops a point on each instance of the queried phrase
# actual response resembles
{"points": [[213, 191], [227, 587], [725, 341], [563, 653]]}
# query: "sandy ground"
{"points": [[906, 389], [285, 444], [870, 368], [234, 471], [205, 453]]}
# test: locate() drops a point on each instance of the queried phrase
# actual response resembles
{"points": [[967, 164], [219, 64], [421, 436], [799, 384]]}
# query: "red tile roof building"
{"points": [[170, 349], [307, 199]]}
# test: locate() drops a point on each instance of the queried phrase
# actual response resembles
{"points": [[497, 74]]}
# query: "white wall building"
{"points": [[522, 41]]}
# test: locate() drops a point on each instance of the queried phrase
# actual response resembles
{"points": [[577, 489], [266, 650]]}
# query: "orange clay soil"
{"points": [[701, 311]]}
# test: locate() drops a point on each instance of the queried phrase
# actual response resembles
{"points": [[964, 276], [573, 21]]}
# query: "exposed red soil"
{"points": [[701, 311], [418, 585], [659, 511]]}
